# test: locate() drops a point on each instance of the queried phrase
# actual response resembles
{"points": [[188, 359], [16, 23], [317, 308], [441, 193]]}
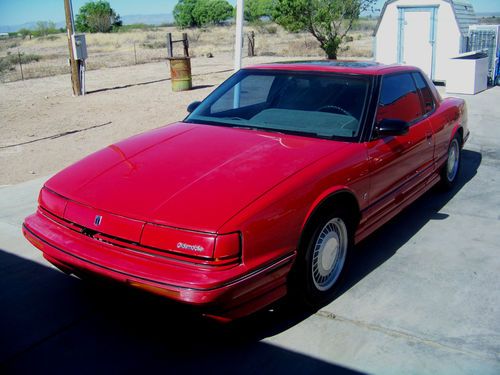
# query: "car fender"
{"points": [[323, 197], [459, 117]]}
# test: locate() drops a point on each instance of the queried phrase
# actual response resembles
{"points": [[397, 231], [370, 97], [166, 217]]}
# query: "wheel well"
{"points": [[460, 132], [343, 199]]}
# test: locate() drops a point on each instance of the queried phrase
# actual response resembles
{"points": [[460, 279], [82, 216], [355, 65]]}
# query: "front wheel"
{"points": [[324, 259], [451, 169]]}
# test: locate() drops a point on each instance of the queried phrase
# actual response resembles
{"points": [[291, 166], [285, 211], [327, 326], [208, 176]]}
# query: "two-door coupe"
{"points": [[263, 189]]}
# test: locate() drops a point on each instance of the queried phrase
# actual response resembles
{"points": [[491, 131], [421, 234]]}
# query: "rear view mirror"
{"points": [[191, 107], [388, 127]]}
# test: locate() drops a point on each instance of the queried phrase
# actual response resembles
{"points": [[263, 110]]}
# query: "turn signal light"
{"points": [[227, 246], [52, 202]]}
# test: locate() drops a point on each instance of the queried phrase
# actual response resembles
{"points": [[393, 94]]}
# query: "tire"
{"points": [[451, 168], [324, 258]]}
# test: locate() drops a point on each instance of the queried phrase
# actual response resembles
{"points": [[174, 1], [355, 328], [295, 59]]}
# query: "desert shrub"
{"points": [[364, 24], [135, 26], [268, 29], [195, 35], [5, 64], [13, 44], [265, 27], [49, 37], [12, 59], [156, 44], [150, 37]]}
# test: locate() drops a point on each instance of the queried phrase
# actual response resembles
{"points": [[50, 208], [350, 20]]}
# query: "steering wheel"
{"points": [[334, 108]]}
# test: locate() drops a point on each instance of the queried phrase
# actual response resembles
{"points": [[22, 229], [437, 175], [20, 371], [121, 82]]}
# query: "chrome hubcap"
{"points": [[452, 165], [329, 254]]}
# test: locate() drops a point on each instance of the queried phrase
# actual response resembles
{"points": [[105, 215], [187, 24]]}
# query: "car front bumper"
{"points": [[228, 293]]}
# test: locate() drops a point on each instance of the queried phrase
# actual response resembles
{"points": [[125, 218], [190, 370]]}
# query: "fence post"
{"points": [[185, 43], [135, 55], [251, 44], [20, 64], [169, 45]]}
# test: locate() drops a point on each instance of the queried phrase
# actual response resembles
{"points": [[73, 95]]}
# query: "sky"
{"points": [[14, 12]]}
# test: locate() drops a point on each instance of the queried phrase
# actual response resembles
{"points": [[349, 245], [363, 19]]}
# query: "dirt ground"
{"points": [[120, 102]]}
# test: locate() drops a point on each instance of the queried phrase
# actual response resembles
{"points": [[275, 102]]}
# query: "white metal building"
{"points": [[423, 33]]}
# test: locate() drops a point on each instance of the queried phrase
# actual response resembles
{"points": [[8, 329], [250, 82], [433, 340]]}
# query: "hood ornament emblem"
{"points": [[97, 220]]}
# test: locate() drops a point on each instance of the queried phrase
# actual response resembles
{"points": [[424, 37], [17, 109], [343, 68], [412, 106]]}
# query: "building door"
{"points": [[416, 39]]}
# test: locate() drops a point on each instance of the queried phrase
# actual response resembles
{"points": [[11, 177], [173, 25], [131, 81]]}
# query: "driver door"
{"points": [[399, 164]]}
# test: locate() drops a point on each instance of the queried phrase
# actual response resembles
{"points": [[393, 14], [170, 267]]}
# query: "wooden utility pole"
{"points": [[75, 64]]}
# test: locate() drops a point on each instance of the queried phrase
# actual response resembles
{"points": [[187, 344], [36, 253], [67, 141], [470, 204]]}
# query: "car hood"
{"points": [[187, 175]]}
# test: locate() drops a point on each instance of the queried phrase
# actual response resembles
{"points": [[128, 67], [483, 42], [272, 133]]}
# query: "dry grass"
{"points": [[117, 49]]}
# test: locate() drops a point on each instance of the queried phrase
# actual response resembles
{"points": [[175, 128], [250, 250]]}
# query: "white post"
{"points": [[238, 48], [238, 45]]}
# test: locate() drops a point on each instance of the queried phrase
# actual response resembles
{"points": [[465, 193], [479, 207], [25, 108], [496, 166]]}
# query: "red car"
{"points": [[263, 189]]}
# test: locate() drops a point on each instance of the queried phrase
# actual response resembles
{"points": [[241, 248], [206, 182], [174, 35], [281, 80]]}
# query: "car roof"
{"points": [[338, 66]]}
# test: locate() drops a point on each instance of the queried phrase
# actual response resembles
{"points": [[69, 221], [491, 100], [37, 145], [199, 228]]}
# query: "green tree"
{"points": [[183, 13], [329, 21], [212, 12], [256, 9], [97, 17], [196, 13]]}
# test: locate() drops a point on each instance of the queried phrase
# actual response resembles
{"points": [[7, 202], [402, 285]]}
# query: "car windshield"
{"points": [[324, 105]]}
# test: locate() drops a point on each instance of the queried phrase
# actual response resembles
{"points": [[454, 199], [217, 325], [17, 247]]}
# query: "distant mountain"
{"points": [[149, 19], [488, 14], [27, 25]]}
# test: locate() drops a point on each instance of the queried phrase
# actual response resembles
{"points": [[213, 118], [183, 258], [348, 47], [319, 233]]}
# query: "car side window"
{"points": [[425, 91], [399, 99]]}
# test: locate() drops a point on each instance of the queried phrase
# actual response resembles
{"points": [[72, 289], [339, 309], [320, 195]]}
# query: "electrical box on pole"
{"points": [[79, 46]]}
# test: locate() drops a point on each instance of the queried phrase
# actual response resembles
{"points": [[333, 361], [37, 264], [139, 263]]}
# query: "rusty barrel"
{"points": [[180, 73]]}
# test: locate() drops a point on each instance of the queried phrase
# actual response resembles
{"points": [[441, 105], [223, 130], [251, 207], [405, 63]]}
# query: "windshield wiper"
{"points": [[257, 128]]}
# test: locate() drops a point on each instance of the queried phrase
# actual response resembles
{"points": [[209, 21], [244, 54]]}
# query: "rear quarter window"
{"points": [[425, 91]]}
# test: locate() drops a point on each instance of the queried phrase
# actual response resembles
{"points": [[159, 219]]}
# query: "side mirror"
{"points": [[191, 107], [390, 127]]}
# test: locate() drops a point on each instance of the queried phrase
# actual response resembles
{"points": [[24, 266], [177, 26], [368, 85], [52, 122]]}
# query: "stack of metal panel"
{"points": [[486, 38]]}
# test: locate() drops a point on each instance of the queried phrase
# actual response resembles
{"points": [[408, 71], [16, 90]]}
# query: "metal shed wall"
{"points": [[447, 33]]}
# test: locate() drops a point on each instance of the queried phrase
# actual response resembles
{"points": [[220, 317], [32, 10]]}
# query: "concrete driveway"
{"points": [[423, 297]]}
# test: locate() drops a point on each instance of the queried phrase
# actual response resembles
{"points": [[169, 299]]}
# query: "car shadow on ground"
{"points": [[53, 322]]}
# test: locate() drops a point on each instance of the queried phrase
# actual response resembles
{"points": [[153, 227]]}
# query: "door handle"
{"points": [[429, 137]]}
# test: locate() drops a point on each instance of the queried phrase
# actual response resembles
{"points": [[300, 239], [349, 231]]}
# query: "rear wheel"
{"points": [[324, 258], [451, 169]]}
